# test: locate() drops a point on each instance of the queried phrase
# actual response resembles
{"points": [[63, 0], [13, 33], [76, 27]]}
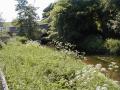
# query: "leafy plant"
{"points": [[113, 45]]}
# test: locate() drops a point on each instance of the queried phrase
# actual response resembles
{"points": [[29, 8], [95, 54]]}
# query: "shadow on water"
{"points": [[111, 63]]}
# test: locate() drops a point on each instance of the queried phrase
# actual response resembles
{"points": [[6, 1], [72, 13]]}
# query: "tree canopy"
{"points": [[27, 18], [77, 20]]}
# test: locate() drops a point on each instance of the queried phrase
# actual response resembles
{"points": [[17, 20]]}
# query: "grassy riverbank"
{"points": [[33, 67]]}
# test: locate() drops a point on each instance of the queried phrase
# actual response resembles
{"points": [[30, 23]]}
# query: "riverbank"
{"points": [[110, 63], [33, 67]]}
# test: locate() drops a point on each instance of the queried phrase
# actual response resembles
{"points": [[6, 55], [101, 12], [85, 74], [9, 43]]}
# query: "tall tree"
{"points": [[27, 18], [1, 21]]}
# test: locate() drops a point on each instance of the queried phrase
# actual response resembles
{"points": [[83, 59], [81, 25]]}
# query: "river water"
{"points": [[110, 63]]}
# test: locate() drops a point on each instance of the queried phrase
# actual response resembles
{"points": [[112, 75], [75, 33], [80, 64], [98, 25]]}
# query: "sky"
{"points": [[7, 8]]}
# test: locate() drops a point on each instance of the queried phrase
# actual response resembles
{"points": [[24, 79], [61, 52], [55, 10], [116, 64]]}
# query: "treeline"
{"points": [[92, 25]]}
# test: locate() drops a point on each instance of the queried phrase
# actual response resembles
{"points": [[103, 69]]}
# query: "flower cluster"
{"points": [[68, 49], [103, 87], [32, 43]]}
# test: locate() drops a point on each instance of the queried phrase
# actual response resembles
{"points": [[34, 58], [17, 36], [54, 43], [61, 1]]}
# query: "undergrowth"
{"points": [[31, 66]]}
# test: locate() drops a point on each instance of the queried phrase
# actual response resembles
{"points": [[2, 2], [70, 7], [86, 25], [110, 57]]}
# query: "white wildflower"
{"points": [[103, 70], [98, 88], [98, 66], [104, 88], [90, 66], [101, 88], [105, 85]]}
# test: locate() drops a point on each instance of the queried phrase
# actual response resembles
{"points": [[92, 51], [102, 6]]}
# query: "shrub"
{"points": [[53, 35], [93, 44], [112, 45]]}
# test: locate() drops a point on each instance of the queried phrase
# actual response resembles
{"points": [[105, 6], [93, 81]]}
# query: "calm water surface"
{"points": [[111, 63]]}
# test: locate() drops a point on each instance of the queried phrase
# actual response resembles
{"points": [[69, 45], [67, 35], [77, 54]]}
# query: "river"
{"points": [[110, 63]]}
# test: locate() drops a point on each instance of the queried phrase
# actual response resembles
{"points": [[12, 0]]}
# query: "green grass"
{"points": [[33, 67]]}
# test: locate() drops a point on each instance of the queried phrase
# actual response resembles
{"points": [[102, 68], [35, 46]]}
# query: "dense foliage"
{"points": [[27, 19], [113, 46], [31, 66], [77, 20]]}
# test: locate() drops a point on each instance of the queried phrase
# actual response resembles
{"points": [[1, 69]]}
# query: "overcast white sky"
{"points": [[7, 8]]}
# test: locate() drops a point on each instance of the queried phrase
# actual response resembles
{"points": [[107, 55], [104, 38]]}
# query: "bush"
{"points": [[93, 44], [113, 46], [53, 35]]}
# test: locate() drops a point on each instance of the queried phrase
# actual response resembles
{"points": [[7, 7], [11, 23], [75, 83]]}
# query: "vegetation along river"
{"points": [[110, 63]]}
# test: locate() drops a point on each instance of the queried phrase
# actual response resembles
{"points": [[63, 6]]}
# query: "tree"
{"points": [[27, 19], [85, 22], [76, 19], [1, 21]]}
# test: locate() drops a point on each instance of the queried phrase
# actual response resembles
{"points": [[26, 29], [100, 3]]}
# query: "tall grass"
{"points": [[34, 67]]}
